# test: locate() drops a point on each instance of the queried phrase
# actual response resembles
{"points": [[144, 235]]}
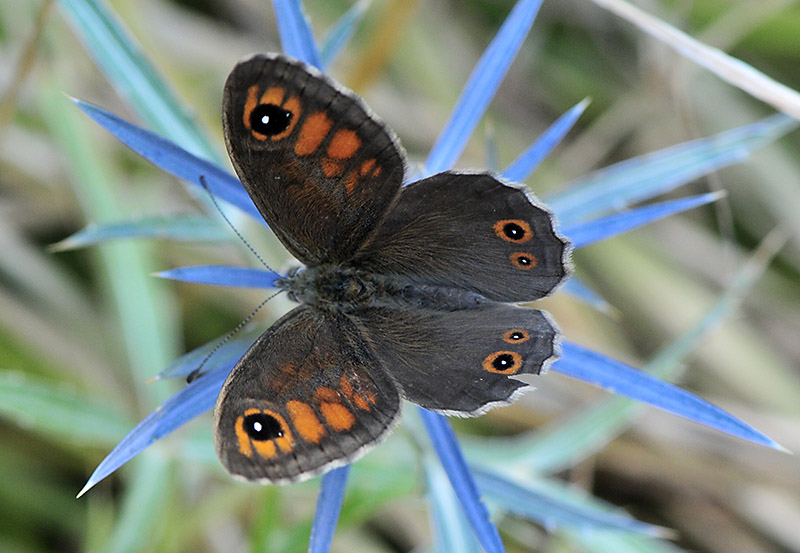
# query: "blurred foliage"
{"points": [[81, 332]]}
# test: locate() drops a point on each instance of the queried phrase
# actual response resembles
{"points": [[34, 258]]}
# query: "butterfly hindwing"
{"points": [[307, 396], [460, 362], [319, 166], [473, 232]]}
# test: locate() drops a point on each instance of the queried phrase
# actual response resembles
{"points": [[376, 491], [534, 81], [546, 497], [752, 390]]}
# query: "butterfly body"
{"points": [[407, 292], [349, 290]]}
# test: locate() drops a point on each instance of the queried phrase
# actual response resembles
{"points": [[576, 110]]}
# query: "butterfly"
{"points": [[406, 292]]}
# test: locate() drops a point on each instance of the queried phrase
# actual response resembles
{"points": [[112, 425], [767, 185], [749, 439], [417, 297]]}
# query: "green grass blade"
{"points": [[143, 307], [730, 69], [143, 506], [47, 407]]}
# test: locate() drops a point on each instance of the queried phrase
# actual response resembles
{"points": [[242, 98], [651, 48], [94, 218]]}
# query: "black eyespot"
{"points": [[262, 427], [516, 231], [516, 336], [503, 362], [523, 261], [269, 119], [513, 231]]}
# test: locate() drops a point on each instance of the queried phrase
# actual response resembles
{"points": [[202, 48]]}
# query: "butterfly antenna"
{"points": [[198, 371], [233, 228]]}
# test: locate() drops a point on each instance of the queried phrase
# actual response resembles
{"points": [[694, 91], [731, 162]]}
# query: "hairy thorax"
{"points": [[346, 289]]}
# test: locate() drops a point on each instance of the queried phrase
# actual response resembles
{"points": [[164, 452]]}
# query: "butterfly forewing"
{"points": [[318, 165], [307, 396]]}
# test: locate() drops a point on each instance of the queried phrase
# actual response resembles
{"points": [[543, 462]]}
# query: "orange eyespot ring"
{"points": [[516, 336], [513, 230], [503, 362], [262, 425], [524, 261], [263, 430]]}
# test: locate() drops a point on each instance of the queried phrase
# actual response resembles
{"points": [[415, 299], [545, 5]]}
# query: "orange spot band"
{"points": [[331, 168], [344, 144], [337, 416], [305, 421], [314, 130]]}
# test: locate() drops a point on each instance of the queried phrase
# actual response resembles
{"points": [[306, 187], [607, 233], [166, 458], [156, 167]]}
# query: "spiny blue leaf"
{"points": [[127, 69], [644, 177], [183, 228], [619, 378], [452, 532], [329, 505], [224, 353], [446, 446], [481, 86], [577, 288], [174, 159], [583, 234], [297, 38], [194, 399], [553, 510], [223, 275], [529, 160], [341, 31]]}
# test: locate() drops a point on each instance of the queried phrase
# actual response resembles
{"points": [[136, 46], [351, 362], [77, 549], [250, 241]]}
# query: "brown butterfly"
{"points": [[407, 291]]}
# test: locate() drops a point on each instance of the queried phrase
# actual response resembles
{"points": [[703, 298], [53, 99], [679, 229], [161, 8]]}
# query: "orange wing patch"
{"points": [[367, 166], [242, 437], [314, 130], [336, 415], [273, 95], [344, 144], [327, 394], [249, 105], [350, 182], [363, 399], [305, 421], [331, 168]]}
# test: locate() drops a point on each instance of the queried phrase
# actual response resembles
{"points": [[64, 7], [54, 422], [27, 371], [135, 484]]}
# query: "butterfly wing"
{"points": [[461, 362], [470, 231], [306, 397], [319, 166]]}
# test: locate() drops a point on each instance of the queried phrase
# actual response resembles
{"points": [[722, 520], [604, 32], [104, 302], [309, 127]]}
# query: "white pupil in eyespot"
{"points": [[257, 426], [265, 120]]}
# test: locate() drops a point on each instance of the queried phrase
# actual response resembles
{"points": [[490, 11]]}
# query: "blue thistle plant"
{"points": [[586, 209]]}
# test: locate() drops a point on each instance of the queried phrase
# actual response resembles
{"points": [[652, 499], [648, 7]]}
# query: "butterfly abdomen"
{"points": [[347, 289]]}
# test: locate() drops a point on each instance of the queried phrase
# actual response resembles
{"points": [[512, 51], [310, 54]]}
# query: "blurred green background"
{"points": [[81, 331]]}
